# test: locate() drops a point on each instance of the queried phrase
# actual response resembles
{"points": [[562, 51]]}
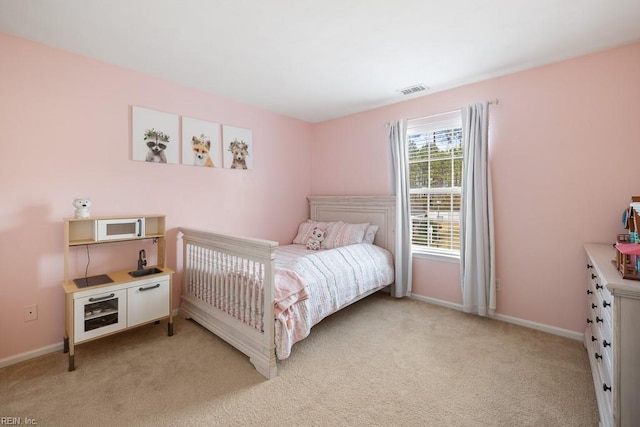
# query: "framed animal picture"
{"points": [[154, 136], [237, 145], [200, 143]]}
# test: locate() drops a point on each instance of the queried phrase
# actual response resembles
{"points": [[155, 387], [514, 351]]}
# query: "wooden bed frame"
{"points": [[239, 316]]}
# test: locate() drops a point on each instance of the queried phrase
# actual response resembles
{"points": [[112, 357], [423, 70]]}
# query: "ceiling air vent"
{"points": [[413, 89]]}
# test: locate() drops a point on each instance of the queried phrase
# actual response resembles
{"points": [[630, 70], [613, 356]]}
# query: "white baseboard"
{"points": [[509, 319], [435, 301], [12, 360]]}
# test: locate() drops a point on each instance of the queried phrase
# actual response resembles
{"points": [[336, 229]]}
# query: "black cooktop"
{"points": [[85, 282]]}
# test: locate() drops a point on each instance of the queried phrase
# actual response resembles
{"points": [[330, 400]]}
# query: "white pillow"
{"points": [[370, 234]]}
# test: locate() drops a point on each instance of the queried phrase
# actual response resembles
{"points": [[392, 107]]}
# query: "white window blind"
{"points": [[435, 178]]}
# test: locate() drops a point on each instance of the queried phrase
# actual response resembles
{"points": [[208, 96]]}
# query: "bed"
{"points": [[262, 298]]}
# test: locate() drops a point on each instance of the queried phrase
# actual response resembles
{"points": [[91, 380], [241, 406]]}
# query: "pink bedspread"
{"points": [[289, 289], [331, 278]]}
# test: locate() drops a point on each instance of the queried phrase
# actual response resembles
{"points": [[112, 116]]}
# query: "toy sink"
{"points": [[145, 272]]}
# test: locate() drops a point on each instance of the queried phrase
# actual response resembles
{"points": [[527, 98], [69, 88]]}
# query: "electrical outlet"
{"points": [[30, 313]]}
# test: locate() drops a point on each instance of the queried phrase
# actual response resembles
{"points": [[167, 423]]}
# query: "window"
{"points": [[435, 180]]}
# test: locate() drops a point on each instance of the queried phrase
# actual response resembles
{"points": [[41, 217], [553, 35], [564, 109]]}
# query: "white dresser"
{"points": [[612, 338]]}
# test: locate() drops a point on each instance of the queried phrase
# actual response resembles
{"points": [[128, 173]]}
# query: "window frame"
{"points": [[452, 120]]}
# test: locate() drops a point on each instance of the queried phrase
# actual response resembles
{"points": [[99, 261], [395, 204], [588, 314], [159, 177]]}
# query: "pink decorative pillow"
{"points": [[346, 234]]}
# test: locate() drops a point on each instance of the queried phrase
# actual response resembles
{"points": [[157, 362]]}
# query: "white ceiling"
{"points": [[319, 59]]}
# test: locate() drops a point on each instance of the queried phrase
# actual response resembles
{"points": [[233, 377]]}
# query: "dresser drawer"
{"points": [[595, 283], [605, 302], [605, 388]]}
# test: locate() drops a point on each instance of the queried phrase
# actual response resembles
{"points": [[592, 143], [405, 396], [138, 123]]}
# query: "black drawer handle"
{"points": [[148, 288], [101, 298], [589, 292], [599, 286], [593, 338], [598, 320], [593, 276], [589, 265], [589, 321], [606, 343], [606, 304], [605, 387], [594, 305], [598, 356]]}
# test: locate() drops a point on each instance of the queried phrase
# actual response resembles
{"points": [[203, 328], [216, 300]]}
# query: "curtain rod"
{"points": [[495, 101], [492, 102]]}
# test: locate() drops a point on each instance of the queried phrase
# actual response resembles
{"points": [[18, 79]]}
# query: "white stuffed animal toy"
{"points": [[315, 240], [82, 207]]}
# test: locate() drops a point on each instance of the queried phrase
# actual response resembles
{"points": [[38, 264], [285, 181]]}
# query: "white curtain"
{"points": [[400, 157], [477, 248]]}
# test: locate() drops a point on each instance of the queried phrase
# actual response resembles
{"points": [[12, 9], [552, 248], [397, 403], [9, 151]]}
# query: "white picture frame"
{"points": [[154, 136], [200, 143], [237, 147]]}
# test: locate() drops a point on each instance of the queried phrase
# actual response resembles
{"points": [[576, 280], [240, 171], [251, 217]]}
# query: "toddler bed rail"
{"points": [[228, 287]]}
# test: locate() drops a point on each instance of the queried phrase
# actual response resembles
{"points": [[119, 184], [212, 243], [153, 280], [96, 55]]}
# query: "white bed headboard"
{"points": [[378, 210]]}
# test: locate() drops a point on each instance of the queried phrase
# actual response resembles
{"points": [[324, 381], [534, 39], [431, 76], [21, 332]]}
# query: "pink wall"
{"points": [[65, 134], [562, 144], [564, 149]]}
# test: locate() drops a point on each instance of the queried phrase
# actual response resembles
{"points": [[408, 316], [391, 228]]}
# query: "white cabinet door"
{"points": [[99, 314], [148, 301]]}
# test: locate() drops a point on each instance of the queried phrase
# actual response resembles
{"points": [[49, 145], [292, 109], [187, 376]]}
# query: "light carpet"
{"points": [[380, 362]]}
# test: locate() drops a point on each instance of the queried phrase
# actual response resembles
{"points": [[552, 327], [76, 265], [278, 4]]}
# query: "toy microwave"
{"points": [[119, 228]]}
